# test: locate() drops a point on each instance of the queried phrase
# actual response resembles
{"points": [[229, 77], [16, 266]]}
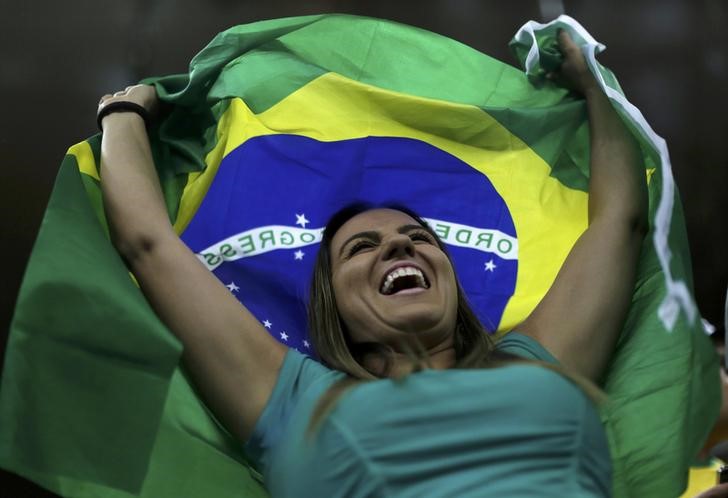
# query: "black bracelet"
{"points": [[122, 106]]}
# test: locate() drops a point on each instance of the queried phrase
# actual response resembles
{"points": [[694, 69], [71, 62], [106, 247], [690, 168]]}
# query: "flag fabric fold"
{"points": [[277, 125]]}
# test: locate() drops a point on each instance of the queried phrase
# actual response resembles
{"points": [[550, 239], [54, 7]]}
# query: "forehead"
{"points": [[380, 220]]}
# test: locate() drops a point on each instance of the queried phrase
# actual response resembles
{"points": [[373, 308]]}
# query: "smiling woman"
{"points": [[359, 325], [406, 361], [363, 262], [385, 305]]}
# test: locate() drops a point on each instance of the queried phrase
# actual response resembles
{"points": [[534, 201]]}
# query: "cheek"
{"points": [[345, 283], [453, 280], [350, 277], [450, 279], [353, 300], [341, 281]]}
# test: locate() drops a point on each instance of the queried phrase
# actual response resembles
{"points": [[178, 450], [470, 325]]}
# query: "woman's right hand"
{"points": [[232, 359], [143, 95]]}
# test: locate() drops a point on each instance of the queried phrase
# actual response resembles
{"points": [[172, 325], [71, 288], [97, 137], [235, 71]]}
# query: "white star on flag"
{"points": [[267, 324], [232, 287], [298, 255], [306, 344], [301, 220], [490, 266], [284, 336]]}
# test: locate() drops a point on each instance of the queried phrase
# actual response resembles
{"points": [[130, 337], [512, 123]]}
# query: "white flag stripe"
{"points": [[274, 237], [258, 241], [481, 239]]}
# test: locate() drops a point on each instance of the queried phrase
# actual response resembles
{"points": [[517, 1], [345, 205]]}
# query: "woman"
{"points": [[513, 431]]}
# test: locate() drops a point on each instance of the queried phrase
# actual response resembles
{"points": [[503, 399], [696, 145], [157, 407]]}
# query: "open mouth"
{"points": [[402, 279]]}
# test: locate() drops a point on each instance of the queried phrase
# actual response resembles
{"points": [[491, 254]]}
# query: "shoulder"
{"points": [[525, 347], [300, 380], [299, 375]]}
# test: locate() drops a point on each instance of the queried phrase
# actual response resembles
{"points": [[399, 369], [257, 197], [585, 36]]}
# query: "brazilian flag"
{"points": [[277, 125]]}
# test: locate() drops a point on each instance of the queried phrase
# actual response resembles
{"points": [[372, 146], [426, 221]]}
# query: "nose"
{"points": [[398, 246]]}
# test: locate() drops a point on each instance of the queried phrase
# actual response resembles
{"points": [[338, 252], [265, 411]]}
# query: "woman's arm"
{"points": [[233, 361], [581, 316]]}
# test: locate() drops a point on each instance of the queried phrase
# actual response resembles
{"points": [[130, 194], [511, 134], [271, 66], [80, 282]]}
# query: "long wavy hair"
{"points": [[474, 347]]}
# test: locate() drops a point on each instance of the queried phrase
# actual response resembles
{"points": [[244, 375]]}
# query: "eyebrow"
{"points": [[374, 235], [409, 228]]}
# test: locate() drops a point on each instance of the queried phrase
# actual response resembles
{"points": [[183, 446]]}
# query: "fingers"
{"points": [[128, 89], [120, 93], [564, 36], [568, 49], [566, 43], [573, 73], [144, 95]]}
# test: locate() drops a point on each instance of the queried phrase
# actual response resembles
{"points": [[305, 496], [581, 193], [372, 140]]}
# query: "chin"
{"points": [[422, 322], [413, 309]]}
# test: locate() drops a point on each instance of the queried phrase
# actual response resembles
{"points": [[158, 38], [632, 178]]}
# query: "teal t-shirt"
{"points": [[515, 431]]}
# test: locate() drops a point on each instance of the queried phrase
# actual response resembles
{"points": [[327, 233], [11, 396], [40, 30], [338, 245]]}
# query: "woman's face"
{"points": [[392, 282]]}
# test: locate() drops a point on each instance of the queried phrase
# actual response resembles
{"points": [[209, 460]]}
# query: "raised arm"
{"points": [[233, 361], [581, 316]]}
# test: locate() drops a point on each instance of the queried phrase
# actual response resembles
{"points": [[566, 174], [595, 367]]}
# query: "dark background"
{"points": [[57, 58]]}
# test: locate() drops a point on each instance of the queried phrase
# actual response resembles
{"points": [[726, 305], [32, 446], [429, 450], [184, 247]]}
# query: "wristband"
{"points": [[122, 106]]}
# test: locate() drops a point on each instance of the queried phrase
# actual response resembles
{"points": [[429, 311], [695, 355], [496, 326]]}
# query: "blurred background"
{"points": [[58, 58]]}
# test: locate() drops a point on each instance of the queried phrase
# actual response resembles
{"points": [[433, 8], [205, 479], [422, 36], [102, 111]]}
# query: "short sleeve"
{"points": [[297, 375], [525, 347]]}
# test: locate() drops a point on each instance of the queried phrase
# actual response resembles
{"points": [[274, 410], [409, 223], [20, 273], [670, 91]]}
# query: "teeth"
{"points": [[401, 272]]}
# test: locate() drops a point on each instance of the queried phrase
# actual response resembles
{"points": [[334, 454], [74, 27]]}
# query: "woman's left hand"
{"points": [[581, 316], [574, 72]]}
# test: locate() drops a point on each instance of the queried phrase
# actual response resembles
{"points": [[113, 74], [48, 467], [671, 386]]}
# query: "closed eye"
{"points": [[360, 246], [421, 236]]}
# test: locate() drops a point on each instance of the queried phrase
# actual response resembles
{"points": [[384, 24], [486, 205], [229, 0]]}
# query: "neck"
{"points": [[401, 364]]}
